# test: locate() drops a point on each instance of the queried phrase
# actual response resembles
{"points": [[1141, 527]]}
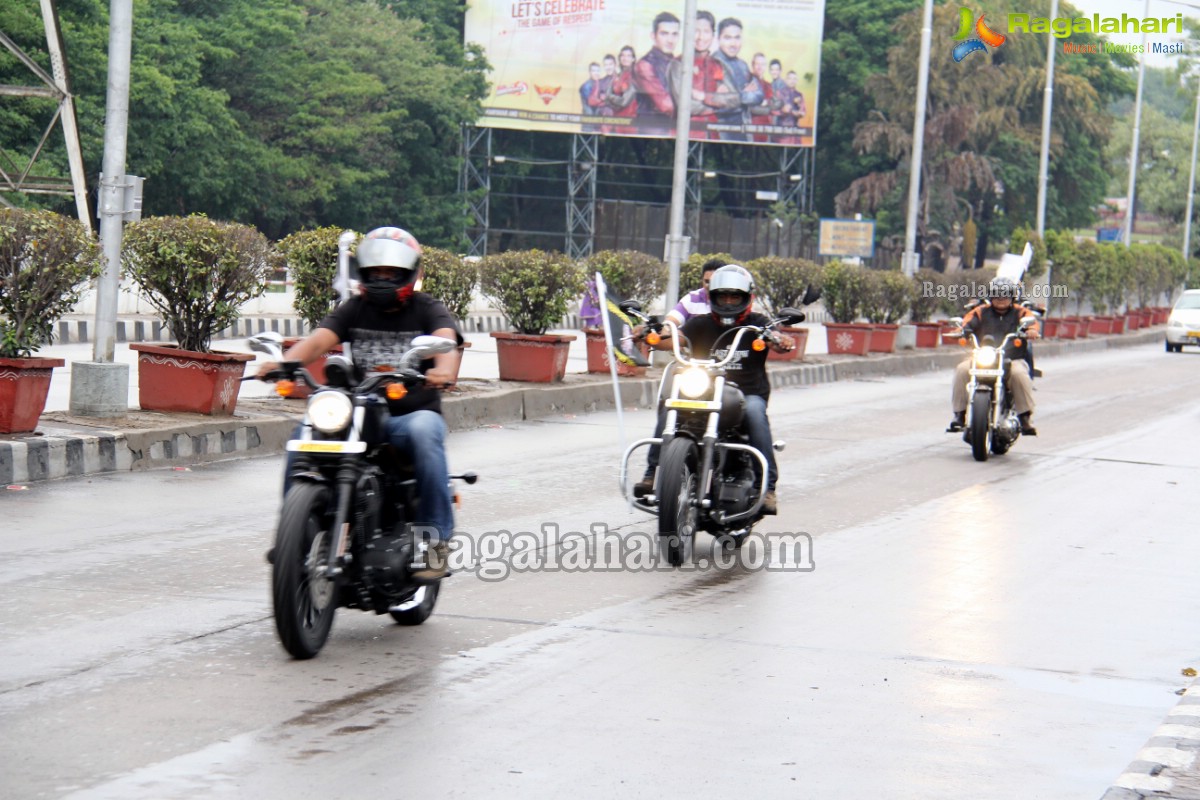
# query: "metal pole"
{"points": [[1047, 107], [58, 66], [683, 127], [1127, 236], [912, 259], [112, 194], [1187, 218]]}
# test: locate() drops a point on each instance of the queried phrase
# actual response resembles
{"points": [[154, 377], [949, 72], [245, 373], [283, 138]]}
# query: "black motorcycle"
{"points": [[345, 535], [709, 477], [992, 426]]}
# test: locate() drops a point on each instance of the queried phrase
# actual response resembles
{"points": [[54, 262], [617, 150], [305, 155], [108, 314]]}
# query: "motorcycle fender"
{"points": [[311, 477]]}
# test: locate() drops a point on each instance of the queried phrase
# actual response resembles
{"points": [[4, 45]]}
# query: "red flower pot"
{"points": [[929, 334], [799, 336], [24, 386], [1049, 328], [597, 355], [532, 358], [883, 338], [316, 369], [1067, 328], [1116, 324], [1099, 326], [170, 379], [848, 338]]}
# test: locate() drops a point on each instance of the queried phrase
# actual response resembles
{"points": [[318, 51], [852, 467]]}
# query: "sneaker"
{"points": [[1027, 428], [769, 505], [645, 486], [435, 568], [958, 423]]}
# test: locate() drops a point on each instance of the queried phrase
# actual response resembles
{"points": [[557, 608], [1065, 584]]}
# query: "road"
{"points": [[999, 630]]}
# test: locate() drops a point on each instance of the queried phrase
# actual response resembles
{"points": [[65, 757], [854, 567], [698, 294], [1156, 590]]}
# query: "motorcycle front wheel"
{"points": [[981, 425], [304, 598], [677, 501]]}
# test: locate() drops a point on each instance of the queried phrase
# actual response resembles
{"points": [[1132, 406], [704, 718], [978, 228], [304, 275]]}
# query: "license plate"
{"points": [[326, 447], [705, 405], [1194, 335], [987, 373]]}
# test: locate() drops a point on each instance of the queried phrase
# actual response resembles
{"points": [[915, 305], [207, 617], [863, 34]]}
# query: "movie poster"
{"points": [[614, 67]]}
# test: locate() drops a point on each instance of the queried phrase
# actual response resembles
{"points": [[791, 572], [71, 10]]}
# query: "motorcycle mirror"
{"points": [[956, 321], [269, 342], [811, 295], [1028, 322], [630, 305], [790, 316], [424, 347]]}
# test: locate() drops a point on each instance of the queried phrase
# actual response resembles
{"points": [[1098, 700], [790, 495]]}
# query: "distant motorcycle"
{"points": [[992, 426], [706, 473], [345, 533]]}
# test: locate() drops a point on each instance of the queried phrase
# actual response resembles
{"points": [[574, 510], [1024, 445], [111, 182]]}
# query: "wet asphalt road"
{"points": [[999, 630]]}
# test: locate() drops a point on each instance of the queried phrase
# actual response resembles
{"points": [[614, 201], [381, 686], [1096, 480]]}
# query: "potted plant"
{"points": [[843, 287], [452, 279], [782, 283], [887, 297], [46, 261], [923, 302], [196, 272], [631, 275], [532, 288], [311, 258]]}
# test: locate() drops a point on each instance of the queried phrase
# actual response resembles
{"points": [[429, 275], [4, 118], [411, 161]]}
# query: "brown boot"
{"points": [[436, 564], [770, 506]]}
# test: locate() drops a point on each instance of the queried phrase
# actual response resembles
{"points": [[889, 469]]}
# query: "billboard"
{"points": [[613, 67]]}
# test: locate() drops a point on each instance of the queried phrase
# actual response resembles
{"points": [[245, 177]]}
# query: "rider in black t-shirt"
{"points": [[380, 323]]}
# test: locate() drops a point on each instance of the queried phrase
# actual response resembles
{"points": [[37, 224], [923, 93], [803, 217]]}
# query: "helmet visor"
{"points": [[385, 253]]}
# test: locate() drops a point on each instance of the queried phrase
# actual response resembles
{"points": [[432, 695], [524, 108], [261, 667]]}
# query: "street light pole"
{"points": [[683, 127], [911, 260], [1127, 236], [1047, 108], [1187, 218]]}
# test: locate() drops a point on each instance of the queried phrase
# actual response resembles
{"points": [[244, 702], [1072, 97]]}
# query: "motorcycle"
{"points": [[992, 425], [345, 535], [706, 477]]}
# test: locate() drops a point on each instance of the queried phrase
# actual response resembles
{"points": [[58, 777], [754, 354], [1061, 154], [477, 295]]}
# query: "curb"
{"points": [[1167, 766], [65, 446]]}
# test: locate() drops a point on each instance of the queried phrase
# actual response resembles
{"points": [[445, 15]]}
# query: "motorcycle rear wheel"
{"points": [[677, 501], [421, 609], [981, 425], [304, 599]]}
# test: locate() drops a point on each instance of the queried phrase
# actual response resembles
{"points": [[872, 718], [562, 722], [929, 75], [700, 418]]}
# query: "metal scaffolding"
{"points": [[55, 86], [581, 204], [475, 185], [694, 189]]}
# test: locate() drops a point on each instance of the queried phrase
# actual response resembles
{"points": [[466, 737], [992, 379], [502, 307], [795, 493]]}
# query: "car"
{"points": [[1183, 326]]}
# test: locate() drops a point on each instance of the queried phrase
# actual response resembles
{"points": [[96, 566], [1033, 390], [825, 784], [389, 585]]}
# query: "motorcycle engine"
{"points": [[735, 490], [384, 562]]}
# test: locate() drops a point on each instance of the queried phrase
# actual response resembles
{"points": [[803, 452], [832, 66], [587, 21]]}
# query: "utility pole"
{"points": [[911, 259], [100, 387], [676, 242], [1127, 235]]}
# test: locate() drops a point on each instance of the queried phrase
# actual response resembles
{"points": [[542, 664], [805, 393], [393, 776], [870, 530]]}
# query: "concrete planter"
{"points": [[170, 379], [906, 337], [24, 386], [848, 338], [799, 336], [929, 334], [883, 338], [532, 358], [598, 355]]}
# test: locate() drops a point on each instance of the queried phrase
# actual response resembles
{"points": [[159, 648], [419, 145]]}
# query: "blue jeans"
{"points": [[421, 436]]}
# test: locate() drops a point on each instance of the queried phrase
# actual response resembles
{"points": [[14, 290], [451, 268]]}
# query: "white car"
{"points": [[1183, 326]]}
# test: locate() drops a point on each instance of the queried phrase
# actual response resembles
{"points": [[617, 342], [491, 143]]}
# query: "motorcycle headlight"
{"points": [[693, 382], [329, 412], [986, 357]]}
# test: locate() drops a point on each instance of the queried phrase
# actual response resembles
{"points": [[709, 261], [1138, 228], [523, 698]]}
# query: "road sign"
{"points": [[847, 237]]}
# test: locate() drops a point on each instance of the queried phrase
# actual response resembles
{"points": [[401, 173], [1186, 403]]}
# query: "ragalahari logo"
{"points": [[984, 36]]}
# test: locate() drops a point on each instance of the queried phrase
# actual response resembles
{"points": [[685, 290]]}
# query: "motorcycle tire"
{"points": [[304, 600], [426, 598], [981, 428], [677, 501]]}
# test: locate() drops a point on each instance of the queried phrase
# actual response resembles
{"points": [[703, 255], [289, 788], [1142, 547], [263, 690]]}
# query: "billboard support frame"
{"points": [[581, 200], [475, 186]]}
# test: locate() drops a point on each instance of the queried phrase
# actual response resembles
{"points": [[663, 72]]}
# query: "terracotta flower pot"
{"points": [[316, 369], [1049, 328], [597, 355], [532, 358], [848, 338], [170, 379], [1099, 326], [1116, 324], [1067, 328], [24, 386], [883, 338], [929, 334], [799, 336]]}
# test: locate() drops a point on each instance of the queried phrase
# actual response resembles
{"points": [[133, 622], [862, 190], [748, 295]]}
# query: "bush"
{"points": [[531, 287], [691, 270], [46, 261], [312, 265], [928, 287], [782, 281], [450, 278], [887, 296], [196, 272], [843, 288], [632, 275]]}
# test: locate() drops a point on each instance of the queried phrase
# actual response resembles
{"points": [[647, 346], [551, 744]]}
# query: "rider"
{"points": [[380, 323], [997, 318], [731, 296]]}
